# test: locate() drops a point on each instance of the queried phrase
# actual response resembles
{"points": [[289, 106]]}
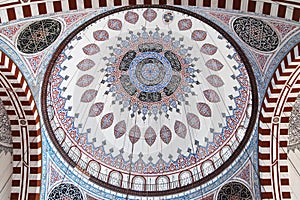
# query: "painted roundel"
{"points": [[141, 92], [38, 36], [256, 33], [234, 190], [65, 191]]}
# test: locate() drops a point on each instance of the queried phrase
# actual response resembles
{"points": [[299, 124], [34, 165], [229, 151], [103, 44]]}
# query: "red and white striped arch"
{"points": [[17, 9], [25, 127], [280, 96]]}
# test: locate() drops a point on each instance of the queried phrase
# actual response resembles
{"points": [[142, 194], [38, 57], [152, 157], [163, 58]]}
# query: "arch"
{"points": [[21, 9], [59, 134], [115, 178], [225, 152], [93, 168], [162, 183], [25, 126], [75, 154], [185, 178], [207, 168], [276, 109], [138, 183], [239, 133]]}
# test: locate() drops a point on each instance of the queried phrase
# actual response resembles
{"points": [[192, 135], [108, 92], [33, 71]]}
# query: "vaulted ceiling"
{"points": [[144, 99]]}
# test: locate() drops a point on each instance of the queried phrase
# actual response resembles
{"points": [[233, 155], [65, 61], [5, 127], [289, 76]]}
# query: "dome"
{"points": [[149, 99]]}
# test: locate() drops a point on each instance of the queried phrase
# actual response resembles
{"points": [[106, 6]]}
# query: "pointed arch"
{"points": [[25, 127], [274, 117]]}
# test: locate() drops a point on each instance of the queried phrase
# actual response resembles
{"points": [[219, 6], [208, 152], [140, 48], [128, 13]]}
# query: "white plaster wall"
{"points": [[294, 173], [6, 170]]}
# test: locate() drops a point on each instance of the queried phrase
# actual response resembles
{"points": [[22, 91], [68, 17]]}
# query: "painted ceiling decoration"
{"points": [[5, 131], [38, 36], [150, 101], [65, 191], [149, 95], [234, 190], [256, 33]]}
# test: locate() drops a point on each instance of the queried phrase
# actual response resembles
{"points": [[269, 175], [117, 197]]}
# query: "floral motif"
{"points": [[225, 18], [209, 49], [96, 109], [214, 64], [184, 24], [204, 109], [180, 129], [72, 18], [65, 191], [256, 33], [85, 80], [245, 173], [149, 15], [38, 36], [88, 95], [261, 59], [35, 62], [91, 49], [55, 176], [85, 64], [168, 17], [283, 28], [150, 136], [101, 35], [131, 17], [193, 120], [142, 53], [165, 134], [120, 129], [215, 80], [107, 120], [198, 35], [234, 190], [149, 77], [134, 134], [212, 96], [149, 72], [115, 24], [11, 31]]}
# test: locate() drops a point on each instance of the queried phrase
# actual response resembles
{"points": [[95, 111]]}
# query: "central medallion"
{"points": [[150, 68], [141, 98], [150, 72]]}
